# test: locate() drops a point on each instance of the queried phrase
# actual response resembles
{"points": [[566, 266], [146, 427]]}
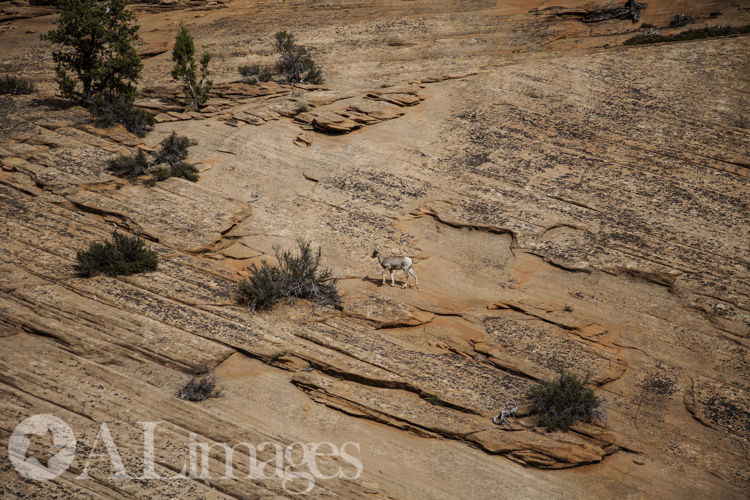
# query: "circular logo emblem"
{"points": [[30, 467]]}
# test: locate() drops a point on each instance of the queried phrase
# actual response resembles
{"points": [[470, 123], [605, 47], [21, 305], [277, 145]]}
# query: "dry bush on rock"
{"points": [[295, 62], [565, 400], [15, 86], [199, 388], [255, 73], [296, 277]]}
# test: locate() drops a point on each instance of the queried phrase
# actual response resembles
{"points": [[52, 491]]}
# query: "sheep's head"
{"points": [[375, 253]]}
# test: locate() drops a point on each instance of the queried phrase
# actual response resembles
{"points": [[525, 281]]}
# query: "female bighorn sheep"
{"points": [[391, 263]]}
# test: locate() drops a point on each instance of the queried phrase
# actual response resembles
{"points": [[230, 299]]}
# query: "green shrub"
{"points": [[161, 174], [174, 149], [168, 161], [295, 62], [108, 112], [252, 74], [183, 170], [132, 166], [296, 277], [15, 86], [564, 400], [186, 171], [199, 388], [264, 289], [265, 74], [302, 107], [122, 256], [247, 71], [435, 401]]}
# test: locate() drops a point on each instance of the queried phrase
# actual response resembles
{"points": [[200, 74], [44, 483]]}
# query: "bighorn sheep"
{"points": [[391, 263]]}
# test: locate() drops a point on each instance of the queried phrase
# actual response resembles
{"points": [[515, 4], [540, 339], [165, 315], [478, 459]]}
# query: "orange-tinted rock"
{"points": [[302, 141], [379, 110], [590, 193], [383, 313], [331, 122]]}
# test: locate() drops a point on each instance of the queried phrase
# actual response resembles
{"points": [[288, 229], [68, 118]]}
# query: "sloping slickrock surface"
{"points": [[176, 213], [569, 203]]}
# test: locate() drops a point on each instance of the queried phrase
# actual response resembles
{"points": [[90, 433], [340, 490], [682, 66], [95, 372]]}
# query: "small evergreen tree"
{"points": [[295, 62], [183, 55], [96, 40]]}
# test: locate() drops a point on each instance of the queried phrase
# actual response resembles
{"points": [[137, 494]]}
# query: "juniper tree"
{"points": [[295, 61], [96, 45], [183, 55]]}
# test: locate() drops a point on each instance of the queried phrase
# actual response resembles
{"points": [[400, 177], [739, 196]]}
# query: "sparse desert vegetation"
{"points": [[200, 387], [254, 73], [565, 400], [16, 86], [108, 112], [124, 255], [296, 64], [568, 201], [131, 166], [168, 161], [295, 277]]}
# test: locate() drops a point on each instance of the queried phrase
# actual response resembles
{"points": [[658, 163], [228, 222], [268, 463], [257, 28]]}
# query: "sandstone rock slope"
{"points": [[570, 204]]}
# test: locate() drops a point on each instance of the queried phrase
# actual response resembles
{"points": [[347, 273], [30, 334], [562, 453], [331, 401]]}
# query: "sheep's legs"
{"points": [[415, 278], [393, 282], [406, 273]]}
